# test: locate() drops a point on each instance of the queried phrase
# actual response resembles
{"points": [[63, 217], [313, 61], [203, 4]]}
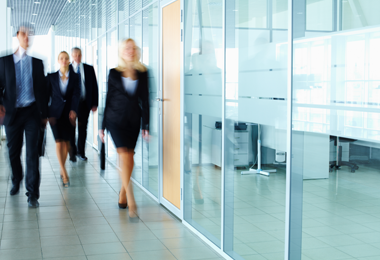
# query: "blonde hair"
{"points": [[63, 52], [137, 65]]}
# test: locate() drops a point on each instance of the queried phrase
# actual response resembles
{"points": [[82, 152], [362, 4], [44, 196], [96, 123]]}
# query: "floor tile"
{"points": [[104, 248]]}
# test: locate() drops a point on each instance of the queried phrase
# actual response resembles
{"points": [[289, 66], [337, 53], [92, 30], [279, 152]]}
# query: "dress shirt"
{"points": [[26, 62], [63, 84], [130, 85], [81, 69]]}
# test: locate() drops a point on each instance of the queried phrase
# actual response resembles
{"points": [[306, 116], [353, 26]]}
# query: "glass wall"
{"points": [[255, 130], [203, 92], [335, 132]]}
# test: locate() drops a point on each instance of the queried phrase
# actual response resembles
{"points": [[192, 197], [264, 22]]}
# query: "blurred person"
{"points": [[88, 102], [126, 110], [64, 93], [23, 108]]}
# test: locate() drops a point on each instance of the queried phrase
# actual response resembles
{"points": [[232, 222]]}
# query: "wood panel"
{"points": [[171, 81]]}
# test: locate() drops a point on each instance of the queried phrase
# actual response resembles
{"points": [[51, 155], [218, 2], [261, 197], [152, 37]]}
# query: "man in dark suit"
{"points": [[89, 101], [23, 106]]}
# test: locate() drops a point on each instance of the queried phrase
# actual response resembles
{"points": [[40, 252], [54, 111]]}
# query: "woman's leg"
{"points": [[59, 151], [126, 164]]}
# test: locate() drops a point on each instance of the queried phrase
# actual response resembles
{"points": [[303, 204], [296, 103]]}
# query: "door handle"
{"points": [[159, 100]]}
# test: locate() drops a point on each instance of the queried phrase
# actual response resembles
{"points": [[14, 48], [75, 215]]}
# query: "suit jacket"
{"points": [[123, 109], [61, 105], [8, 94], [91, 85]]}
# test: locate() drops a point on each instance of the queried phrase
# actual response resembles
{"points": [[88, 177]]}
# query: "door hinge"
{"points": [[181, 193], [181, 16], [181, 34]]}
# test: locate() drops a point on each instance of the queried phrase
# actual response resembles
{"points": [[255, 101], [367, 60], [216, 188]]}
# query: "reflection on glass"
{"points": [[203, 103], [150, 59], [256, 67], [336, 134]]}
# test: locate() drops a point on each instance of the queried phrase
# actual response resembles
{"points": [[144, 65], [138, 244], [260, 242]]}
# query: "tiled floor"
{"points": [[84, 222], [341, 214]]}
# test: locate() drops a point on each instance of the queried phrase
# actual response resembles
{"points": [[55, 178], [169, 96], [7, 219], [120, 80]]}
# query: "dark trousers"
{"points": [[83, 113], [26, 121]]}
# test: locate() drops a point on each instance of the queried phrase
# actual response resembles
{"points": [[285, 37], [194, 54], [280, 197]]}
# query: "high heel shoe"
{"points": [[122, 205], [67, 183]]}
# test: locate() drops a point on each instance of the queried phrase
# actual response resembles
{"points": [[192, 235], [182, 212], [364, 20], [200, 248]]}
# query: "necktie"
{"points": [[24, 89]]}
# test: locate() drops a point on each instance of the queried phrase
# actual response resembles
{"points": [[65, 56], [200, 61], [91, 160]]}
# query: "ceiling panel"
{"points": [[41, 13]]}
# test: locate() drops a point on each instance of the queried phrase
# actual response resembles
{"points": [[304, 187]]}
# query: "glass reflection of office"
{"points": [[255, 93], [203, 107]]}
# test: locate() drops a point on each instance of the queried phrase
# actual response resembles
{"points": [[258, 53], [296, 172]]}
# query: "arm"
{"points": [[2, 87], [95, 91], [76, 93], [108, 98], [144, 96], [2, 83], [45, 94]]}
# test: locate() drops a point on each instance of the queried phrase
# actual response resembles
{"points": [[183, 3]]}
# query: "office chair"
{"points": [[338, 163]]}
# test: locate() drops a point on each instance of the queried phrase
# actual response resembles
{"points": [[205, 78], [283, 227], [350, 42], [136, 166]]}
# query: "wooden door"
{"points": [[171, 106]]}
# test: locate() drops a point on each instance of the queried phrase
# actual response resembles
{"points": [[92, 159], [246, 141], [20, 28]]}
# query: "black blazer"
{"points": [[61, 105], [123, 109], [91, 85], [8, 87]]}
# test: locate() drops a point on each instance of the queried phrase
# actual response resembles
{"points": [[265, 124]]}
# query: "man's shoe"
{"points": [[15, 189], [33, 202], [82, 157], [73, 158]]}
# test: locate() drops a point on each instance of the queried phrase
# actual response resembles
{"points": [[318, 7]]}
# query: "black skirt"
{"points": [[62, 129], [124, 136]]}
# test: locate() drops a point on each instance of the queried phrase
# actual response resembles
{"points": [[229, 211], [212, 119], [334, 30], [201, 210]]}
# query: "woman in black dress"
{"points": [[64, 94], [126, 111]]}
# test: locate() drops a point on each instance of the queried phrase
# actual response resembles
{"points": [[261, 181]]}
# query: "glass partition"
{"points": [[150, 58], [254, 132], [203, 90], [335, 135]]}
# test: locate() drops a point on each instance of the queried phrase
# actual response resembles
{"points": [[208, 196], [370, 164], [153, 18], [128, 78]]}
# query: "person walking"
{"points": [[126, 111], [23, 109], [64, 93], [88, 102]]}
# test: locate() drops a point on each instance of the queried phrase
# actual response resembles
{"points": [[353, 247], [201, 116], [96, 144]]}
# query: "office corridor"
{"points": [[84, 221]]}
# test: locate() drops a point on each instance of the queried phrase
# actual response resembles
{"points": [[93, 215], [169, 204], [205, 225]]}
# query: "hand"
{"points": [[44, 122], [145, 135], [52, 121], [73, 117], [2, 111], [94, 108], [101, 135]]}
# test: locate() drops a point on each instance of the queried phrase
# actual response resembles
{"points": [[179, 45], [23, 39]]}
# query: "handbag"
{"points": [[102, 156]]}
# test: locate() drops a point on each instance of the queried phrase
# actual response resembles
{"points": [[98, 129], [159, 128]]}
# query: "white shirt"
{"points": [[63, 84], [130, 85], [83, 87], [19, 54]]}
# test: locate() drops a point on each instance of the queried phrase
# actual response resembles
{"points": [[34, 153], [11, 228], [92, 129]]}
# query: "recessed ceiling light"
{"points": [[34, 14], [37, 3]]}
